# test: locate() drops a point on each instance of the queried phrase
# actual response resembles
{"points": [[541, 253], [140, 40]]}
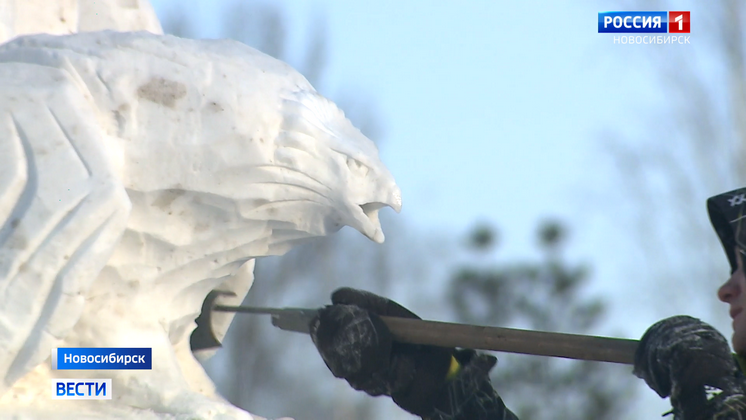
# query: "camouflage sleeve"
{"points": [[688, 360], [469, 395]]}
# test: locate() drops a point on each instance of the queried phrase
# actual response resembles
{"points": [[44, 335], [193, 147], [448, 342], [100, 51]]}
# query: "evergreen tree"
{"points": [[546, 295]]}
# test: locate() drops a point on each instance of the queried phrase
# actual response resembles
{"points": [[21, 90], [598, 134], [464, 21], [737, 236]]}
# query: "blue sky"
{"points": [[493, 112]]}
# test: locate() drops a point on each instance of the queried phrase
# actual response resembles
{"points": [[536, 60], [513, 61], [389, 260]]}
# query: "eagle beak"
{"points": [[371, 224], [370, 221]]}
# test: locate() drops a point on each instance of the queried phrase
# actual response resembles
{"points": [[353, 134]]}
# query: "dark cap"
{"points": [[727, 212]]}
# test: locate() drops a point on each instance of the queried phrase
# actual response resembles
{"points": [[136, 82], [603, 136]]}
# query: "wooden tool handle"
{"points": [[570, 346]]}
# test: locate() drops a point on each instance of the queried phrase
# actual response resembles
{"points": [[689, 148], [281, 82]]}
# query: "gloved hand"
{"points": [[428, 381], [690, 361]]}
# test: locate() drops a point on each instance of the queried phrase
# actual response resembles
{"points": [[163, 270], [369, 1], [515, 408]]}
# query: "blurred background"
{"points": [[551, 180]]}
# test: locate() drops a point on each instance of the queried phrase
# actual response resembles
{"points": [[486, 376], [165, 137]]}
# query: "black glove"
{"points": [[690, 361], [428, 381]]}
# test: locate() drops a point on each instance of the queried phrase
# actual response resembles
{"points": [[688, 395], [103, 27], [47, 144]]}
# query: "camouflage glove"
{"points": [[470, 395], [435, 383], [688, 360]]}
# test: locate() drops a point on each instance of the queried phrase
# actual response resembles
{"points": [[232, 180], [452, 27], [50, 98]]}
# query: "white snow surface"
{"points": [[62, 17], [138, 172]]}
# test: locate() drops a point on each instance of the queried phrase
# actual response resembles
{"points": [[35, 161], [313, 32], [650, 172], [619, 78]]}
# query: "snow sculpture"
{"points": [[138, 172]]}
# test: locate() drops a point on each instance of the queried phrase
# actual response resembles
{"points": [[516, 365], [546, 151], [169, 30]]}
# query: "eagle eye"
{"points": [[357, 167]]}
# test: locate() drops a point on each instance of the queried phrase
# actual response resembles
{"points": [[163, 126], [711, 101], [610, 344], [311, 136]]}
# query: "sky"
{"points": [[493, 111]]}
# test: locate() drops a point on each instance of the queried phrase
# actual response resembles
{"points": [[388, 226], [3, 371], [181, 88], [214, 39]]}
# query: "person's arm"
{"points": [[434, 383]]}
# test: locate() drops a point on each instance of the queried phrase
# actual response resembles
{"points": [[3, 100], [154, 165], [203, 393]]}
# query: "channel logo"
{"points": [[81, 389], [644, 22], [678, 23]]}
